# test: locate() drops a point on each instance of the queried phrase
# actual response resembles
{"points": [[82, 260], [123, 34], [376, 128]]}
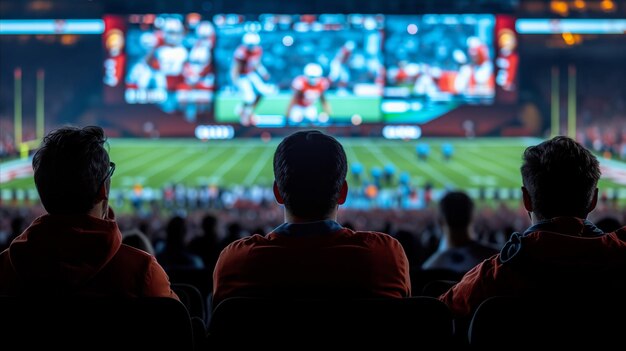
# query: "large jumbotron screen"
{"points": [[165, 60], [435, 63], [273, 70], [298, 70]]}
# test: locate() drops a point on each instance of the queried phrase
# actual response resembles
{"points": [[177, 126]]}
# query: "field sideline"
{"points": [[477, 163]]}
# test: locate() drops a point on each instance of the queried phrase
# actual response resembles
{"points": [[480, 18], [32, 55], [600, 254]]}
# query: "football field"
{"points": [[342, 107], [490, 163]]}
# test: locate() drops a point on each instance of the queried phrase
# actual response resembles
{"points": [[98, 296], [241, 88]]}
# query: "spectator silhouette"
{"points": [[310, 254], [76, 248], [457, 250], [207, 245], [175, 255], [233, 233], [562, 253], [608, 224], [17, 226], [411, 246]]}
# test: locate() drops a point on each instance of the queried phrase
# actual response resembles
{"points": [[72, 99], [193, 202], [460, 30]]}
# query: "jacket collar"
{"points": [[566, 225], [308, 229]]}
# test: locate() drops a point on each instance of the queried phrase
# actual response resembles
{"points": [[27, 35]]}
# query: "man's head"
{"points": [[456, 210], [310, 174], [560, 178], [72, 170]]}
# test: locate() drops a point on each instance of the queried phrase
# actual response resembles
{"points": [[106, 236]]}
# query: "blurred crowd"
{"points": [[416, 229]]}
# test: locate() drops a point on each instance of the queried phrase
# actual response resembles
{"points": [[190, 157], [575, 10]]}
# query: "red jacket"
{"points": [[79, 255], [564, 256], [318, 259]]}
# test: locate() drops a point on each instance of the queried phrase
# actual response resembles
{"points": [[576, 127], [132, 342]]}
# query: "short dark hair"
{"points": [[310, 168], [456, 209], [70, 166], [561, 176]]}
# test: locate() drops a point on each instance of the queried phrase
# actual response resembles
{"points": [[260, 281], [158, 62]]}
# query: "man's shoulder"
{"points": [[374, 238], [128, 253], [248, 242]]}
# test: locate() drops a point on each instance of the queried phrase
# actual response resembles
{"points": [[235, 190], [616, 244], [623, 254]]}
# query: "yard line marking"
{"points": [[258, 166], [351, 153], [166, 163], [142, 160], [226, 166], [377, 152], [494, 167], [424, 166], [197, 164]]}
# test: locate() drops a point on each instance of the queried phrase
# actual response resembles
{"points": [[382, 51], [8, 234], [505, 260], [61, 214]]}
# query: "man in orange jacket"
{"points": [[76, 249], [311, 255], [562, 254]]}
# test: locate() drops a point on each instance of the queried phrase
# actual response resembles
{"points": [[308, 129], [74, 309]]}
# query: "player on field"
{"points": [[308, 90], [249, 75], [196, 91], [168, 58], [476, 77], [340, 67]]}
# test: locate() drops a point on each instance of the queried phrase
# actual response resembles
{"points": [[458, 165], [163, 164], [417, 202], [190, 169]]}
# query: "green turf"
{"points": [[342, 107], [489, 163]]}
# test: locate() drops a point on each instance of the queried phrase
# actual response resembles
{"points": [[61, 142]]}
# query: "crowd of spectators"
{"points": [[494, 222]]}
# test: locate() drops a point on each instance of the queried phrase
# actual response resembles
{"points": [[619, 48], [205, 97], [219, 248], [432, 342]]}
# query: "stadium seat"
{"points": [[435, 288], [303, 323], [192, 298], [73, 323], [202, 279], [548, 321], [421, 277]]}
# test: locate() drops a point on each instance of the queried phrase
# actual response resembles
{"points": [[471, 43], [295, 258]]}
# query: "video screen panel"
{"points": [[436, 63], [310, 70], [170, 62], [299, 70]]}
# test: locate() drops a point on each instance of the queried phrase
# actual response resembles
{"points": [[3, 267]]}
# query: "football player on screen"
{"points": [[308, 89], [339, 67], [195, 93], [477, 77], [168, 59], [249, 75]]}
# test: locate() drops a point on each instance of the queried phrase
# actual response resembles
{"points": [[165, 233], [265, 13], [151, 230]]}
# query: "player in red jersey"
{"points": [[249, 75], [308, 90], [476, 77], [196, 90]]}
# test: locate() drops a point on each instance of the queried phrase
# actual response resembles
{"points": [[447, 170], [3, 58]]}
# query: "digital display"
{"points": [[170, 62], [435, 63], [300, 70], [273, 70]]}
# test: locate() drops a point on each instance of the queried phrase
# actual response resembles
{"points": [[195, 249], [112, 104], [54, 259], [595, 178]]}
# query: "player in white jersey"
{"points": [[168, 59], [248, 74], [196, 91], [340, 67]]}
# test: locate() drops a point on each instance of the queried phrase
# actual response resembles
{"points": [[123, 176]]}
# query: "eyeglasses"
{"points": [[108, 175]]}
